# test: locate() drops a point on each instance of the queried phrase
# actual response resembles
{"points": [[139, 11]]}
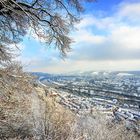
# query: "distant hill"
{"points": [[90, 73], [104, 73], [40, 74]]}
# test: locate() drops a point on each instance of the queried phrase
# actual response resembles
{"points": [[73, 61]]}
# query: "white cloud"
{"points": [[84, 65], [103, 43], [126, 37], [130, 11], [114, 38], [87, 37], [86, 21]]}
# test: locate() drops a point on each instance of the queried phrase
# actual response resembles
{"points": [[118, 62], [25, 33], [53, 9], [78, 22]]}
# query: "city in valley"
{"points": [[116, 93]]}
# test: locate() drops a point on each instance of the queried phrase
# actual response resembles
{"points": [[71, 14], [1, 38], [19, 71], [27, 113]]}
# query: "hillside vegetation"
{"points": [[35, 116]]}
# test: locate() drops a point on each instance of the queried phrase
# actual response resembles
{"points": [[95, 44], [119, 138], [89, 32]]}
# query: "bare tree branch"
{"points": [[54, 18]]}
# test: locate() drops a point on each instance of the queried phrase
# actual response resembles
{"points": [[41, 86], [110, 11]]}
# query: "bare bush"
{"points": [[57, 121], [15, 91], [100, 127], [15, 116]]}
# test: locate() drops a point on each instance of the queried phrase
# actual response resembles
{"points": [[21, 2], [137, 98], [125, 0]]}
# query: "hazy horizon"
{"points": [[92, 71]]}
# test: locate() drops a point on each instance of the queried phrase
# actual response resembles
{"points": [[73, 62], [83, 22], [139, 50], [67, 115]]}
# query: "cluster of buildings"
{"points": [[115, 94]]}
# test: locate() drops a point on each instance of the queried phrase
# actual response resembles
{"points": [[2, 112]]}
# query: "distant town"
{"points": [[83, 92]]}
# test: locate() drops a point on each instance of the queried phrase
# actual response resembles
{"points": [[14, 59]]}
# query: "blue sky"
{"points": [[108, 38]]}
